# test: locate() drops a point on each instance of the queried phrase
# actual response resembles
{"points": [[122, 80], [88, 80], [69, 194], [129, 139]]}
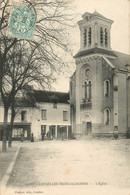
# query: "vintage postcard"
{"points": [[65, 97]]}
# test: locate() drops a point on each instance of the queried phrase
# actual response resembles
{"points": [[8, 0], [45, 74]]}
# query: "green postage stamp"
{"points": [[22, 21]]}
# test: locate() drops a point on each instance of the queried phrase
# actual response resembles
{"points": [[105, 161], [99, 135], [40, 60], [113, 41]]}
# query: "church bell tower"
{"points": [[94, 31]]}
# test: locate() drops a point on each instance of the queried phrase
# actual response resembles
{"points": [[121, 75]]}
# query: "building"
{"points": [[99, 99], [48, 112], [100, 86]]}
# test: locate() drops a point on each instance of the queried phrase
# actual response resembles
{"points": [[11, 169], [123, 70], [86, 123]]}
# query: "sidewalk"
{"points": [[6, 158]]}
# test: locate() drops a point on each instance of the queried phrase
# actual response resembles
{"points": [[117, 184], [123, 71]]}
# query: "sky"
{"points": [[116, 10]]}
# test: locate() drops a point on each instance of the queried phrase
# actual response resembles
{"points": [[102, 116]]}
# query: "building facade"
{"points": [[98, 102], [100, 86], [49, 116]]}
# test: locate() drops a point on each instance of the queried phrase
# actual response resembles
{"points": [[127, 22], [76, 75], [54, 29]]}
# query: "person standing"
{"points": [[43, 135], [22, 137], [32, 138]]}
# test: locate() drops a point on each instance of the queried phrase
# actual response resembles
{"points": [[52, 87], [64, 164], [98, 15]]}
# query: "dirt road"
{"points": [[97, 164]]}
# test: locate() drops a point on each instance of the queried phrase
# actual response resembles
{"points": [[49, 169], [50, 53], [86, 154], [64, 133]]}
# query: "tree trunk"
{"points": [[11, 128], [5, 130], [10, 137]]}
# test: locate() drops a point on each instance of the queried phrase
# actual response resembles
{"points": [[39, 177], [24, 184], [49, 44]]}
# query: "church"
{"points": [[100, 86], [98, 102]]}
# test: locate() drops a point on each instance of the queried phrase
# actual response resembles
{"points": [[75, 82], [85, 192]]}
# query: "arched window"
{"points": [[87, 90], [106, 87], [106, 37], [89, 35], [107, 116], [89, 86], [115, 81], [85, 37], [101, 35]]}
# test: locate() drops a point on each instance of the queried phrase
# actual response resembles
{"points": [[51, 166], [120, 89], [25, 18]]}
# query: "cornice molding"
{"points": [[87, 59], [92, 57]]}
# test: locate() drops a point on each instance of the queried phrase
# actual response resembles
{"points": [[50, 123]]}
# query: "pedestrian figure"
{"points": [[51, 137], [32, 138], [48, 134], [22, 137], [43, 134]]}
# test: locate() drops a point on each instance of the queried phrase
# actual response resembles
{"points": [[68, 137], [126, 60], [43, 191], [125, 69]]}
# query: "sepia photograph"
{"points": [[64, 97]]}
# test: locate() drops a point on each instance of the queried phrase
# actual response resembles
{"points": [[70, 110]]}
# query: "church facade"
{"points": [[100, 86]]}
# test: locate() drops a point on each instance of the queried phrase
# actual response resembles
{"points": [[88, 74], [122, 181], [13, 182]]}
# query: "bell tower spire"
{"points": [[94, 31]]}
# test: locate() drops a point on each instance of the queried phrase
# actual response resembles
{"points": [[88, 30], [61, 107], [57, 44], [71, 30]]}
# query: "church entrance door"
{"points": [[88, 128], [86, 124]]}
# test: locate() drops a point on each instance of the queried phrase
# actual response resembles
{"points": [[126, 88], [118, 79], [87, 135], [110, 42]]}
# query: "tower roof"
{"points": [[95, 14], [98, 14]]}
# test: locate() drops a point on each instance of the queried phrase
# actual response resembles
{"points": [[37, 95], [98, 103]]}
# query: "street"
{"points": [[72, 164]]}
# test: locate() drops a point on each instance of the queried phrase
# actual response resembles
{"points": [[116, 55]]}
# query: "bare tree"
{"points": [[38, 61]]}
